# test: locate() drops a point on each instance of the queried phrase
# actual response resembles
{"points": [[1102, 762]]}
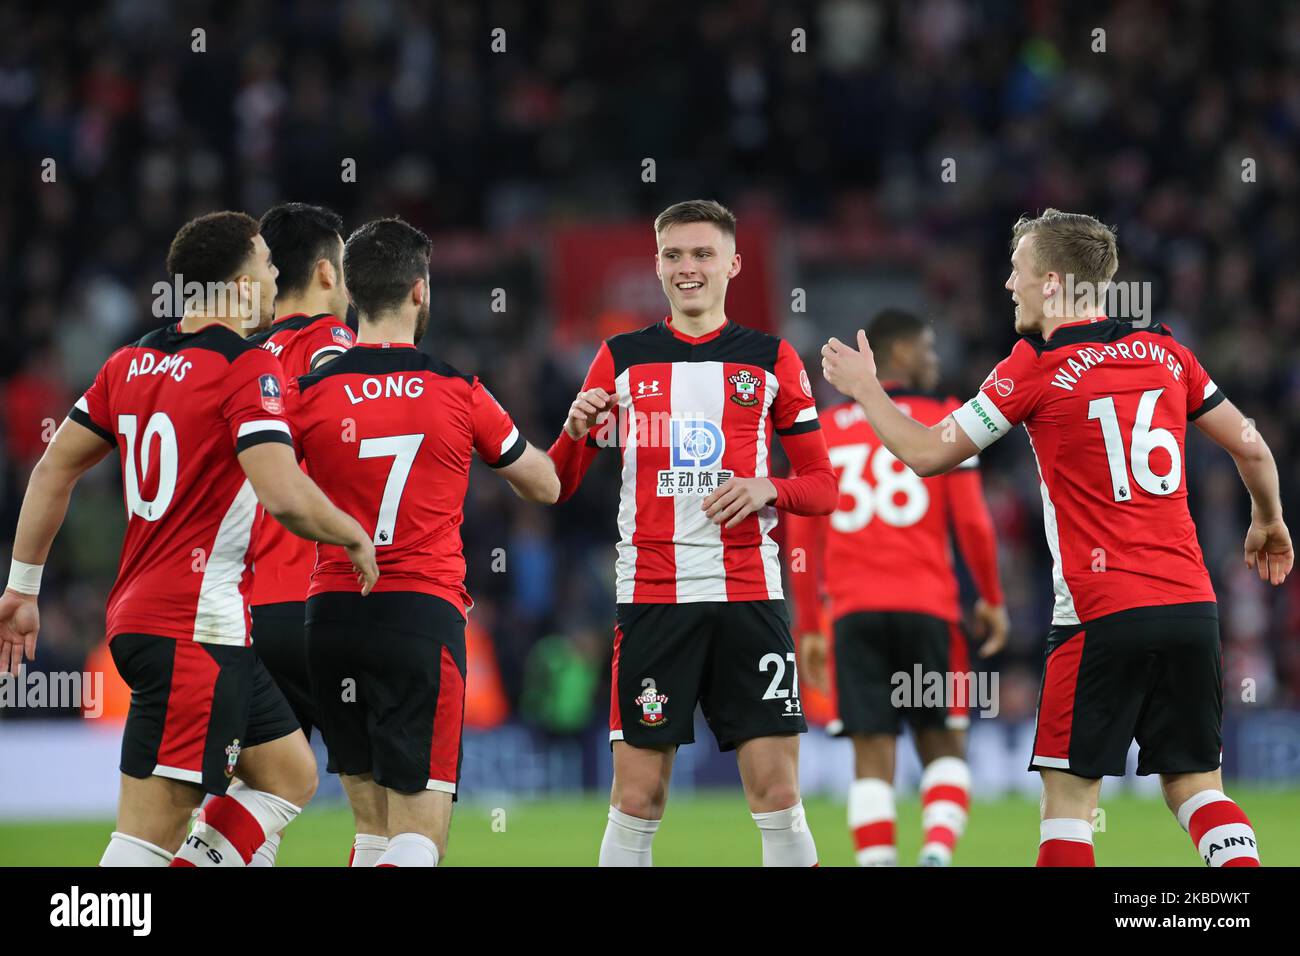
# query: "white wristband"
{"points": [[25, 578]]}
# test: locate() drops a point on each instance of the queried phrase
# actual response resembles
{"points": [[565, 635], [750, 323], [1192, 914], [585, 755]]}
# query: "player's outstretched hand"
{"points": [[738, 499], [1268, 550], [846, 368], [991, 625], [814, 660], [584, 411], [362, 554], [19, 623]]}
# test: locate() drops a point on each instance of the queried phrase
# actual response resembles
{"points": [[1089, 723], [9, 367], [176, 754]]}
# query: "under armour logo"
{"points": [[647, 388]]}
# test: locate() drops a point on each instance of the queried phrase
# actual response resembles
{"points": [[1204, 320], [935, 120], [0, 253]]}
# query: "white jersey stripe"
{"points": [[1063, 612], [625, 566], [767, 518], [262, 425], [697, 393], [219, 617]]}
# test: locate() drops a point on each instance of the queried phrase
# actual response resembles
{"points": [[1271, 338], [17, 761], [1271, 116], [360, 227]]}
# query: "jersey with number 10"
{"points": [[1106, 406], [388, 432], [179, 407]]}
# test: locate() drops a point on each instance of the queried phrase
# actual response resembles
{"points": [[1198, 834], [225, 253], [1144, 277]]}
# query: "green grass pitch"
{"points": [[712, 829]]}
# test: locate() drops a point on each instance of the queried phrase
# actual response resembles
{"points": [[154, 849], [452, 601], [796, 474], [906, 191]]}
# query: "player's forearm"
{"points": [[571, 457], [45, 505], [811, 493], [973, 528], [1258, 473], [308, 513], [910, 442], [979, 550]]}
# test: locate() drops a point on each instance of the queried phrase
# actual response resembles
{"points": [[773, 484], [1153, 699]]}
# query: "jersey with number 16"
{"points": [[1106, 405]]}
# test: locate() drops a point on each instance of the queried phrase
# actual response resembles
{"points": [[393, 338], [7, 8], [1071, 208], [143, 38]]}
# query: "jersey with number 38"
{"points": [[388, 433], [1106, 406], [887, 544], [180, 407]]}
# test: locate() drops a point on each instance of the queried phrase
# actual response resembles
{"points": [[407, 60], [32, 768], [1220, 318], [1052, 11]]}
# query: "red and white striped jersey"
{"points": [[692, 413], [1106, 406], [180, 407], [282, 561]]}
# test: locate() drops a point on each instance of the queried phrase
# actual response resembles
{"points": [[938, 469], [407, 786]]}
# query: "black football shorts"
{"points": [[280, 641], [735, 658], [892, 666], [194, 708], [388, 682], [1151, 674]]}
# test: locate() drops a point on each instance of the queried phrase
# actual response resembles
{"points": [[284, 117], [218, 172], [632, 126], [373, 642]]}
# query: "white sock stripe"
{"points": [[629, 822], [1065, 828], [779, 819], [870, 801], [370, 841], [1195, 802], [944, 813], [126, 850], [271, 812], [410, 849], [1240, 834], [877, 856], [946, 771]]}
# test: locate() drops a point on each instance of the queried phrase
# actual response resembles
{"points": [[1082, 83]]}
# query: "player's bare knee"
{"points": [[645, 803]]}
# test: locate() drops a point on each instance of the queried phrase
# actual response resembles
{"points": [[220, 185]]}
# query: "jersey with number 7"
{"points": [[1106, 406], [388, 433]]}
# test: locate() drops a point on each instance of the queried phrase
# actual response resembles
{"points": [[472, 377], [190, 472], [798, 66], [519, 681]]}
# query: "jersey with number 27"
{"points": [[180, 407], [389, 433], [1106, 406]]}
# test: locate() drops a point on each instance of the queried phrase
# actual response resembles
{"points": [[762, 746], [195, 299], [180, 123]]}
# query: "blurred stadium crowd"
{"points": [[839, 149]]}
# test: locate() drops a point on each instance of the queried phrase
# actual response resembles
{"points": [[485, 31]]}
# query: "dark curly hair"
{"points": [[211, 248]]}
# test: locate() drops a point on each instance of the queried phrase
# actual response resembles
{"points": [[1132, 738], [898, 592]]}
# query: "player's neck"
{"points": [[308, 304], [697, 326], [1052, 323], [193, 321], [393, 330]]}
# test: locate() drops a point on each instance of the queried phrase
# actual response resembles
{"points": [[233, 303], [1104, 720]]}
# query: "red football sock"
{"points": [[1065, 841]]}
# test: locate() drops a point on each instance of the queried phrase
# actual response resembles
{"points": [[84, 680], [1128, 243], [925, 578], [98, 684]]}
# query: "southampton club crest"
{"points": [[652, 706], [747, 385], [232, 757]]}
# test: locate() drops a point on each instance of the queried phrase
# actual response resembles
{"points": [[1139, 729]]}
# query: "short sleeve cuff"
{"points": [[81, 416], [1213, 399], [511, 449]]}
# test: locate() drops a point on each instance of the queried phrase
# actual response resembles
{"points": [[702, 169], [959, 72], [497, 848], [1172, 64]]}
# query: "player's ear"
{"points": [[735, 266], [326, 274], [1051, 283]]}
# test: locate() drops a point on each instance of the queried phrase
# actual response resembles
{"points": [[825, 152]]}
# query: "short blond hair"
{"points": [[698, 210], [1070, 243]]}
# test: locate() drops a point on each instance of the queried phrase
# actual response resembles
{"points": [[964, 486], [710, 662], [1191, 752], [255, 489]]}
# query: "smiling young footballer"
{"points": [[700, 611], [1134, 649]]}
